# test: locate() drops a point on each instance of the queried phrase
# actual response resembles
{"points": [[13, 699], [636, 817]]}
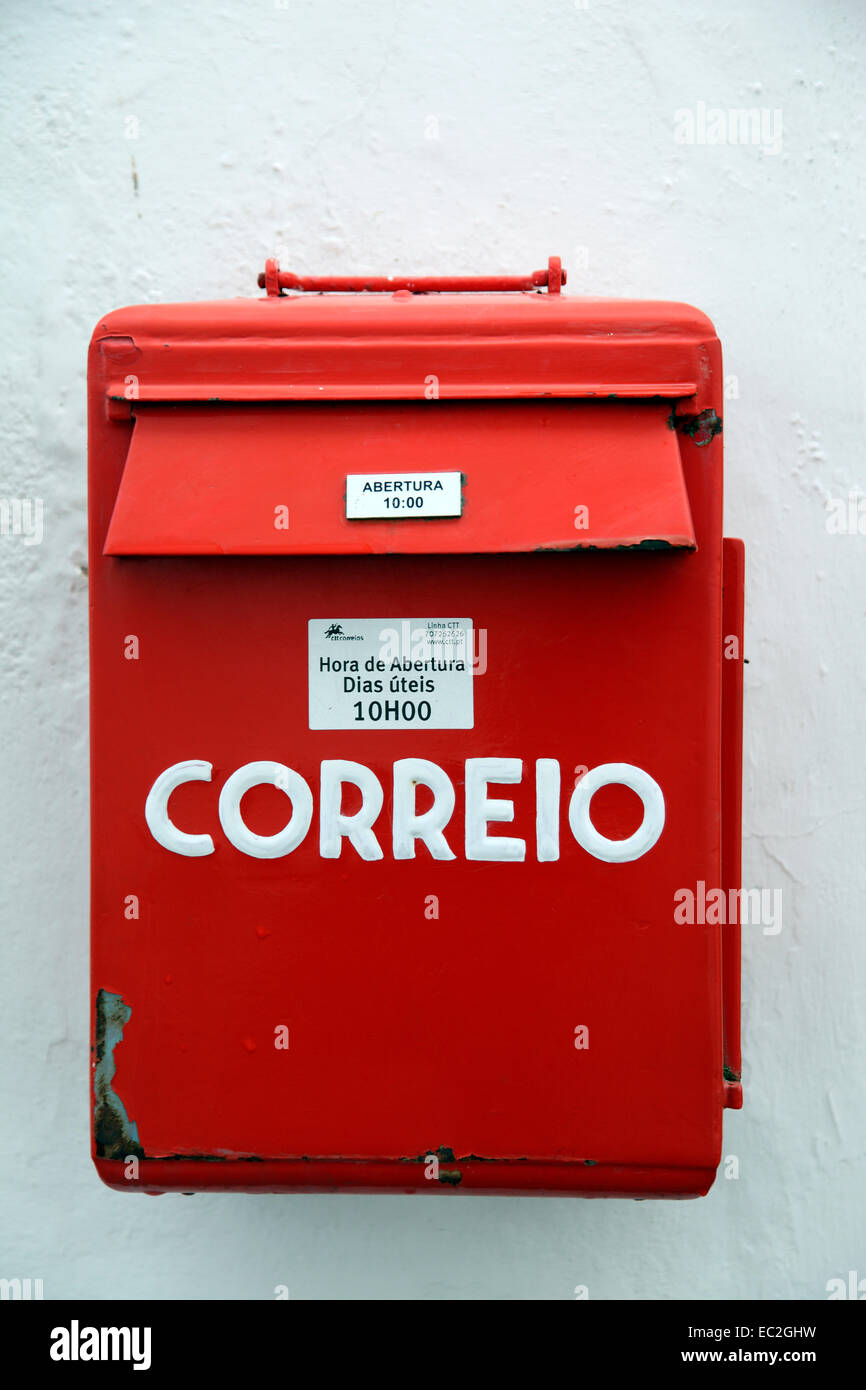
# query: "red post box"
{"points": [[416, 709]]}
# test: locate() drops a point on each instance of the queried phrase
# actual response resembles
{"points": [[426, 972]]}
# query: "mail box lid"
{"points": [[272, 479], [404, 346]]}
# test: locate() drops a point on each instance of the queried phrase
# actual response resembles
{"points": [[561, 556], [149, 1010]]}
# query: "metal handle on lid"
{"points": [[275, 281]]}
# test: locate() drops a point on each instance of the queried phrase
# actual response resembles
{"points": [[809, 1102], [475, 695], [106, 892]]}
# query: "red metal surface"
{"points": [[406, 347], [733, 595], [208, 480], [412, 1036]]}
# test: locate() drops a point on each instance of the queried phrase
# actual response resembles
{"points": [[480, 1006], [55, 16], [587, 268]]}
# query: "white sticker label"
{"points": [[390, 673], [403, 495]]}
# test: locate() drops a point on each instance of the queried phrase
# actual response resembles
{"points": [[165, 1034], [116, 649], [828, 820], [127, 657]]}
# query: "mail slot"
{"points": [[416, 658]]}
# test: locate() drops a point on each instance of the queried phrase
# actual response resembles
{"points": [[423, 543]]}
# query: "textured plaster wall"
{"points": [[160, 151]]}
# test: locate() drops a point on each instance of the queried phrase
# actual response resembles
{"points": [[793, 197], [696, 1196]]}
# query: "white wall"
{"points": [[159, 151]]}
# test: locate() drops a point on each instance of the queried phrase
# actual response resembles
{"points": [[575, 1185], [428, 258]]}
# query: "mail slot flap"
{"points": [[272, 479]]}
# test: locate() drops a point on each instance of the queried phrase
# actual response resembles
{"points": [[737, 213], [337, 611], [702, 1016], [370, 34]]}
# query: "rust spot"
{"points": [[115, 1134], [452, 1177], [649, 543], [701, 427], [447, 1155], [193, 1157]]}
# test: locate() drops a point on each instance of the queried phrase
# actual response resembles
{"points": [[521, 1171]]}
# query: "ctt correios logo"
{"points": [[408, 825]]}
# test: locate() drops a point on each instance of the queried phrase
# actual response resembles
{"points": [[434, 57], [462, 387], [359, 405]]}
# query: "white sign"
{"points": [[403, 495], [390, 673]]}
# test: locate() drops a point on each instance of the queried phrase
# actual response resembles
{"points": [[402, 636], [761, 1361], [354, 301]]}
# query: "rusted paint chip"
{"points": [[701, 428], [115, 1134], [451, 1176]]}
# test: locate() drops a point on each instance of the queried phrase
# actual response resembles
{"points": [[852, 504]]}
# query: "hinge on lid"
{"points": [[275, 281]]}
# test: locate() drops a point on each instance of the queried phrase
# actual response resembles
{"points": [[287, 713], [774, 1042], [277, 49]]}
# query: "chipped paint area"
{"points": [[701, 428], [115, 1134], [451, 1177]]}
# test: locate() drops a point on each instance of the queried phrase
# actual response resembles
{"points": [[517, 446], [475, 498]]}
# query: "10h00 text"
{"points": [[390, 711]]}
